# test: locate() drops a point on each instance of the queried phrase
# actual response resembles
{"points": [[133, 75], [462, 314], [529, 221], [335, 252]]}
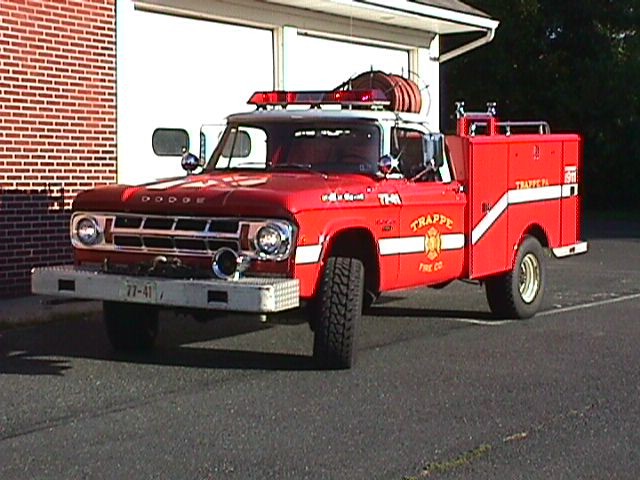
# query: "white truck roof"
{"points": [[326, 114]]}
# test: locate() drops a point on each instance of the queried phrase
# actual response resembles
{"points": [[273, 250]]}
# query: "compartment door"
{"points": [[488, 202]]}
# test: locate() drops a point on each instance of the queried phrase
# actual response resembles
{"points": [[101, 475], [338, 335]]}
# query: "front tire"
{"points": [[518, 293], [130, 327], [337, 311]]}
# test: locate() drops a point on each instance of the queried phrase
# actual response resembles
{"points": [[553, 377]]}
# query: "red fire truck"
{"points": [[326, 200]]}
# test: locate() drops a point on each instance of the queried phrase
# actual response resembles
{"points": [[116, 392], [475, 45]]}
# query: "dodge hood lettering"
{"points": [[238, 194], [171, 199]]}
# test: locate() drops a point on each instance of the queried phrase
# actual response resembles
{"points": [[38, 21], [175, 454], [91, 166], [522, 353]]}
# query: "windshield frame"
{"points": [[268, 126]]}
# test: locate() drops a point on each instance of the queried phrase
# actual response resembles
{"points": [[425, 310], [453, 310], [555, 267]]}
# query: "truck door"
{"points": [[431, 243]]}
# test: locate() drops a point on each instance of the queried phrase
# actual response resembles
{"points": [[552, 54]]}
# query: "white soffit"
{"points": [[399, 13]]}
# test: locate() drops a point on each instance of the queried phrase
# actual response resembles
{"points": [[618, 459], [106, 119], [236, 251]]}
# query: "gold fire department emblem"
{"points": [[432, 243]]}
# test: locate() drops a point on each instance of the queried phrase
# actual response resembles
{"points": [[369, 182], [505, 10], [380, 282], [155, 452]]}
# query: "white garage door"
{"points": [[323, 64], [176, 72]]}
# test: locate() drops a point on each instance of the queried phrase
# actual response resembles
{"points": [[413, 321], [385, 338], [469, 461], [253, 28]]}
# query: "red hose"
{"points": [[403, 94]]}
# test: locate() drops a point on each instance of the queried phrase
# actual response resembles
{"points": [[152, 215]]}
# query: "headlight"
{"points": [[88, 231], [273, 239]]}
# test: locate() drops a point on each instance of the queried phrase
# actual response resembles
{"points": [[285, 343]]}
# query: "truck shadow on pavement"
{"points": [[50, 349], [410, 312], [225, 359]]}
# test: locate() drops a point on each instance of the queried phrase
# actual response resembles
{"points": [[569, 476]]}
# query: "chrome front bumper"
{"points": [[255, 295]]}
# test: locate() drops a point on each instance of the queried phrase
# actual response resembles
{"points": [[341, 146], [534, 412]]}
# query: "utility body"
{"points": [[328, 207]]}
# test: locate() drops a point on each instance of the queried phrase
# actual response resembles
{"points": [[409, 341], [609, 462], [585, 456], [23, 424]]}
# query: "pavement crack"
{"points": [[454, 463], [483, 450], [64, 420]]}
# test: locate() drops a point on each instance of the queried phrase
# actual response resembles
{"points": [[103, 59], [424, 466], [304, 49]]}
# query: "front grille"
{"points": [[158, 223], [190, 244], [218, 244], [174, 235], [191, 224], [127, 241], [224, 226], [158, 242], [128, 222]]}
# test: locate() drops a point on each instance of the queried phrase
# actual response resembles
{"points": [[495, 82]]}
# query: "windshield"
{"points": [[352, 147]]}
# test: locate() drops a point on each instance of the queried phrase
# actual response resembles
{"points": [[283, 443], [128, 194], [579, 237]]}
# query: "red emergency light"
{"points": [[336, 97]]}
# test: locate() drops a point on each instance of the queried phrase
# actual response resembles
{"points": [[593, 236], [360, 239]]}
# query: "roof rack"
{"points": [[468, 122]]}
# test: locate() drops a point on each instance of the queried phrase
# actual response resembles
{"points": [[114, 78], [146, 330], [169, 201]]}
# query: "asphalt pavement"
{"points": [[36, 309], [440, 390]]}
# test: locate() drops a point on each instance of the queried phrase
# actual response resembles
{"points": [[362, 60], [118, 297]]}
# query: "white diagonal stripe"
{"points": [[490, 218], [524, 195]]}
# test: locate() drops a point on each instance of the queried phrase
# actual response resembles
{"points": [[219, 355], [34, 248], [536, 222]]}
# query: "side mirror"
{"points": [[170, 142], [433, 151]]}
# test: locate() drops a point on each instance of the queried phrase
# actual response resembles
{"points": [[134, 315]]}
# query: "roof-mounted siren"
{"points": [[345, 98], [468, 122]]}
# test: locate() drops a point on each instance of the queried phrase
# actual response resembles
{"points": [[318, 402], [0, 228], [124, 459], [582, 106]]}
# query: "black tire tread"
{"points": [[338, 309]]}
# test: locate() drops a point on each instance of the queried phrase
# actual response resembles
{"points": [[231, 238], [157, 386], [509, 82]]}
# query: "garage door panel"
{"points": [[322, 64], [177, 72]]}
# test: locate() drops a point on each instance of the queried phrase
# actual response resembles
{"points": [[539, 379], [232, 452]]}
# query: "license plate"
{"points": [[142, 291]]}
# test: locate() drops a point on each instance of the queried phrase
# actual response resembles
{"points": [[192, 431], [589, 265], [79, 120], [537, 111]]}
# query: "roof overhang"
{"points": [[400, 13], [417, 21]]}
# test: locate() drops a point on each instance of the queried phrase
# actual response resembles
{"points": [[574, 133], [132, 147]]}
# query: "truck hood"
{"points": [[257, 194]]}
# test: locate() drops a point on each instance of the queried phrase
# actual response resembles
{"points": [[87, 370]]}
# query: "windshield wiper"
{"points": [[307, 167], [292, 166]]}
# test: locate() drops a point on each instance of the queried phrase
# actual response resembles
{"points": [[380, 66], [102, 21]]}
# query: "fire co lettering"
{"points": [[433, 222], [431, 267], [534, 183], [431, 219]]}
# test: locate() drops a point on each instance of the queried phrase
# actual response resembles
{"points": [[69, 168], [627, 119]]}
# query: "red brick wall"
{"points": [[57, 125]]}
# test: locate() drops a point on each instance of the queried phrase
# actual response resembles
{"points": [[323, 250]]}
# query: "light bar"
{"points": [[335, 97]]}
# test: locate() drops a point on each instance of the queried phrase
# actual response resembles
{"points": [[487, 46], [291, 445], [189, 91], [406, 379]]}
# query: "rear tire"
{"points": [[518, 293], [130, 327], [337, 311]]}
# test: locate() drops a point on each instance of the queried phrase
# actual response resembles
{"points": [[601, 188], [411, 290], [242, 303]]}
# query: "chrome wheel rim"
{"points": [[529, 282]]}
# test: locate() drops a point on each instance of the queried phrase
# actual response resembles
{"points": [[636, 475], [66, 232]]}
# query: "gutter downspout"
{"points": [[487, 38]]}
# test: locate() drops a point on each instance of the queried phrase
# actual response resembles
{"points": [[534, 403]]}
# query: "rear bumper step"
{"points": [[576, 249]]}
